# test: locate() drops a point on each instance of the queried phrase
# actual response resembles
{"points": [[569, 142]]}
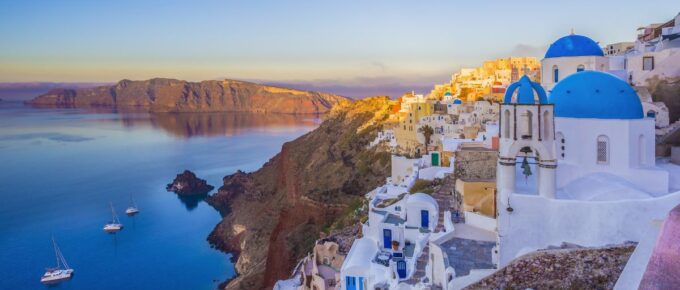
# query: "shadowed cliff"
{"points": [[273, 216]]}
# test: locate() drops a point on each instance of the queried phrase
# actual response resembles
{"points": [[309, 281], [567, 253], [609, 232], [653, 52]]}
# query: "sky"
{"points": [[337, 44]]}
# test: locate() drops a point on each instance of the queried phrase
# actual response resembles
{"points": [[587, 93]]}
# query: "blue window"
{"points": [[556, 74], [580, 68], [651, 114]]}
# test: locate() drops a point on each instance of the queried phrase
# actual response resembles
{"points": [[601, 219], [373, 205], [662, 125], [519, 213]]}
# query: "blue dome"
{"points": [[457, 101], [528, 92], [574, 45], [447, 94], [594, 94]]}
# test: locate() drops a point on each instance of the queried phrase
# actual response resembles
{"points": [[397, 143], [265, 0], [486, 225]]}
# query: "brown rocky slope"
{"points": [[273, 216], [169, 95]]}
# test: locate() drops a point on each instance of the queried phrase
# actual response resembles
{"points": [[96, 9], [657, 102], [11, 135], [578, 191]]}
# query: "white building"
{"points": [[597, 182]]}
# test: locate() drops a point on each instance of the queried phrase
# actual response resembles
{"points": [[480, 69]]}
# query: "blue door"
{"points": [[401, 269], [387, 238], [424, 219], [361, 283], [351, 283]]}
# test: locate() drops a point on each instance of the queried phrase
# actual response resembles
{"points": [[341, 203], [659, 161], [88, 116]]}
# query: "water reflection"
{"points": [[187, 125], [191, 201]]}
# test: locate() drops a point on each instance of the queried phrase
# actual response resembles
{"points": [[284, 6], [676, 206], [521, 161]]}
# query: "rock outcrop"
{"points": [[170, 95], [569, 268], [273, 216], [186, 183]]}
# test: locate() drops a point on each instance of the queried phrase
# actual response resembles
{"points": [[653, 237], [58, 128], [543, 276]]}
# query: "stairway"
{"points": [[444, 196], [421, 263]]}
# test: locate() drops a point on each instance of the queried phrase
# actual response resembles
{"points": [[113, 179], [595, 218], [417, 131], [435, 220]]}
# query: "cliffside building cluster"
{"points": [[567, 155]]}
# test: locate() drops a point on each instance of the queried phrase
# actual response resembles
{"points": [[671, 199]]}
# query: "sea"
{"points": [[61, 169]]}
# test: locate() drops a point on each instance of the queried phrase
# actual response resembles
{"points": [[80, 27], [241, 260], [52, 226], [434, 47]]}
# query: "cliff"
{"points": [[273, 216], [169, 95]]}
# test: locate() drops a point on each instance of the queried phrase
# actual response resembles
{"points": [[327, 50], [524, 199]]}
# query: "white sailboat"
{"points": [[132, 209], [59, 273], [114, 225]]}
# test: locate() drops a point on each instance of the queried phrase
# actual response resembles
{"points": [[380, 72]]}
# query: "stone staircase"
{"points": [[444, 196], [421, 263]]}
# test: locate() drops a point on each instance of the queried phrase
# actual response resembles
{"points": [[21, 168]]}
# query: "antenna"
{"points": [[572, 31]]}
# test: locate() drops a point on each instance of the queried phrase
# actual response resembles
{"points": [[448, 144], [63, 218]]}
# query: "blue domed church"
{"points": [[570, 54]]}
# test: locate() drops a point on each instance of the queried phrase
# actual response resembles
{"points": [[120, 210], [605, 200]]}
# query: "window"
{"points": [[642, 148], [602, 149], [547, 126], [580, 68], [648, 63], [556, 74]]}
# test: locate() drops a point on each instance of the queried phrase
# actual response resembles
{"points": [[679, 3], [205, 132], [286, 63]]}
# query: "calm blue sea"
{"points": [[60, 168]]}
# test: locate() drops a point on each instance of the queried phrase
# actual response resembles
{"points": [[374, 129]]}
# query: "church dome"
{"points": [[457, 101], [574, 45], [528, 93], [597, 95]]}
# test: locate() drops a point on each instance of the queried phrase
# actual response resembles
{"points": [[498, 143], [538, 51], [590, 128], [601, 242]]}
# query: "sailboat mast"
{"points": [[56, 252], [113, 214]]}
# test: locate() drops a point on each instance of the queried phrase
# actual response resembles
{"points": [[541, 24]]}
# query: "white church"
{"points": [[579, 165]]}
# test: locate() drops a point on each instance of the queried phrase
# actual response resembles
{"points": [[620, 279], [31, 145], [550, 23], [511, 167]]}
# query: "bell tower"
{"points": [[527, 135]]}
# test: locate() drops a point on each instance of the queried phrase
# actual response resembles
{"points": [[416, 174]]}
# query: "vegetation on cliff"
{"points": [[169, 95], [273, 216]]}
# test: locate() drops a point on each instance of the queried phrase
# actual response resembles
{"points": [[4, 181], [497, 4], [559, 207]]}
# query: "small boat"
{"points": [[114, 225], [132, 209], [59, 273]]}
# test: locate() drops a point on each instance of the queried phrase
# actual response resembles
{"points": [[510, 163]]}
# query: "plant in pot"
{"points": [[395, 245]]}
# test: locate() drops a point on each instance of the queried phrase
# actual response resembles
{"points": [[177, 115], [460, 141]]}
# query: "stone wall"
{"points": [[475, 164]]}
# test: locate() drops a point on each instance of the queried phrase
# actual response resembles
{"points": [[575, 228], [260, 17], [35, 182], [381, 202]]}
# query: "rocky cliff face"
{"points": [[569, 268], [169, 95], [273, 216]]}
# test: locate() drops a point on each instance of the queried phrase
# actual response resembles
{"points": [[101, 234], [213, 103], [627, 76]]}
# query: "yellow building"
{"points": [[479, 196], [406, 132], [490, 79]]}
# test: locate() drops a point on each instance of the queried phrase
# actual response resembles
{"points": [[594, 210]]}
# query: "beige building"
{"points": [[321, 269], [406, 132], [479, 196]]}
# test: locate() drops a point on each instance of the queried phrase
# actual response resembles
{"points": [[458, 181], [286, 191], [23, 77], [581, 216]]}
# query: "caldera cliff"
{"points": [[271, 217], [170, 95]]}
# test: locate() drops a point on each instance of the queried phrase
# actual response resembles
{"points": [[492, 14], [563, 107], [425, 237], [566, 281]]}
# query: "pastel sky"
{"points": [[325, 42]]}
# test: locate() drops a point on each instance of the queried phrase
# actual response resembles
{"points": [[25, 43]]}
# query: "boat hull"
{"points": [[112, 228], [54, 277]]}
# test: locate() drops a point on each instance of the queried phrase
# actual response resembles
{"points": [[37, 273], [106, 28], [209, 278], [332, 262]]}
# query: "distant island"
{"points": [[170, 95]]}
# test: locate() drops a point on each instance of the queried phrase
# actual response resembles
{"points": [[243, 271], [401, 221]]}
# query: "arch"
{"points": [[556, 74], [602, 150], [547, 126], [506, 122], [527, 126], [580, 68], [560, 145], [651, 114], [642, 148]]}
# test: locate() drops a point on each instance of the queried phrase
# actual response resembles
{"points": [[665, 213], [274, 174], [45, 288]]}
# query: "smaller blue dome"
{"points": [[596, 95], [457, 101], [574, 45], [447, 94], [528, 93]]}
